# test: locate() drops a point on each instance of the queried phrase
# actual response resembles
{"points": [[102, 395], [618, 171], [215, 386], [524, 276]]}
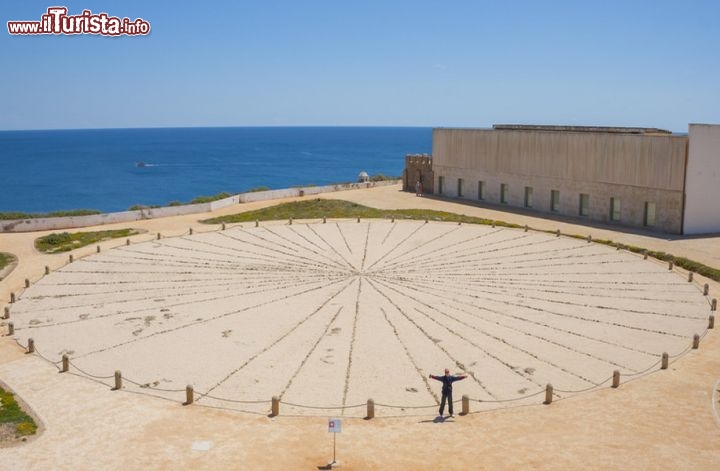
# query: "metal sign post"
{"points": [[334, 427]]}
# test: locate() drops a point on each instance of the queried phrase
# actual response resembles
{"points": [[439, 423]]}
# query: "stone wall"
{"points": [[43, 224], [418, 167], [634, 168]]}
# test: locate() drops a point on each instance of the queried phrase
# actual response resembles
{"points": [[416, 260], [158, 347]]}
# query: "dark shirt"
{"points": [[447, 381]]}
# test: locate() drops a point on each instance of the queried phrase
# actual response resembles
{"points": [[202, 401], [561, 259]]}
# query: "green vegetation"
{"points": [[317, 208], [210, 199], [11, 413], [64, 241], [54, 214], [258, 188], [381, 178], [5, 260]]}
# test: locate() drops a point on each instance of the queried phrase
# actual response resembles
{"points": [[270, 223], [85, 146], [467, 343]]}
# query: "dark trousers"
{"points": [[446, 396]]}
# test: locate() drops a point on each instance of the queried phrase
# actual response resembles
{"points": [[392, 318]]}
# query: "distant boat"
{"points": [[140, 164]]}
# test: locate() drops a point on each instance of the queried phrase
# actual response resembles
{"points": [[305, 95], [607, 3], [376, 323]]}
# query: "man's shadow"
{"points": [[438, 420]]}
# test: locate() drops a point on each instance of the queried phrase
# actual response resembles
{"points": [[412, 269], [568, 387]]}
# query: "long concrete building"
{"points": [[638, 177]]}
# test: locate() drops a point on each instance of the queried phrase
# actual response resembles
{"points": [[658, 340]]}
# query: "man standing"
{"points": [[447, 382]]}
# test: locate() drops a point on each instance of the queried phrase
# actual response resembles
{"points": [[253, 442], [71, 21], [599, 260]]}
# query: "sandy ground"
{"points": [[663, 420]]}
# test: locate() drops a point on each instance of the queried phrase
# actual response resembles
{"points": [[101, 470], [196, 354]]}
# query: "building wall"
{"points": [[702, 184], [636, 168], [418, 167]]}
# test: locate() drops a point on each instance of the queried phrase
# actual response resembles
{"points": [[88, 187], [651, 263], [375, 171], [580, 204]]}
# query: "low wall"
{"points": [[69, 222]]}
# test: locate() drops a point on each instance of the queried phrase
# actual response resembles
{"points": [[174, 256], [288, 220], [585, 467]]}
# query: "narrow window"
{"points": [[459, 188], [555, 200], [504, 193], [481, 190], [614, 209], [441, 181], [584, 204], [649, 219], [528, 197]]}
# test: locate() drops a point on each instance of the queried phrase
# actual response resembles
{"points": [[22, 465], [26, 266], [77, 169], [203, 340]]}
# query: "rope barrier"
{"points": [[409, 407], [322, 408], [236, 401], [584, 390], [90, 375], [492, 401]]}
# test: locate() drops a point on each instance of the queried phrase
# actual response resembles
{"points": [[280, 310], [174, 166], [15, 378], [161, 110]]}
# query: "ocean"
{"points": [[113, 169]]}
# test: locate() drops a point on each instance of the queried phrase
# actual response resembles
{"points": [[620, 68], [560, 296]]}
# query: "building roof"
{"points": [[560, 128]]}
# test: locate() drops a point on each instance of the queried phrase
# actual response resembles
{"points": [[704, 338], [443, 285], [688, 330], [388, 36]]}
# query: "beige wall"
{"points": [[702, 203], [634, 168]]}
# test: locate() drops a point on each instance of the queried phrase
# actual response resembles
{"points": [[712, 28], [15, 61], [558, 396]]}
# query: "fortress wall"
{"points": [[632, 168], [55, 223]]}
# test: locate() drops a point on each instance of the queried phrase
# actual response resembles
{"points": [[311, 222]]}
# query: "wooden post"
{"points": [[324, 220], [98, 249], [370, 409], [47, 270], [465, 405], [616, 379], [706, 289], [189, 395], [696, 342], [12, 298], [711, 322], [664, 361], [27, 283], [618, 246], [159, 236], [713, 305], [11, 328], [426, 220], [31, 345], [118, 380], [7, 312], [71, 258], [548, 394], [190, 231], [645, 254], [589, 239], [670, 265], [526, 228], [392, 219], [127, 241], [65, 363], [690, 277], [358, 219], [257, 223], [290, 221], [223, 226], [557, 233], [275, 408]]}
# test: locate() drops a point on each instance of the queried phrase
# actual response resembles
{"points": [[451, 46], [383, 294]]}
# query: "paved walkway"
{"points": [[664, 420]]}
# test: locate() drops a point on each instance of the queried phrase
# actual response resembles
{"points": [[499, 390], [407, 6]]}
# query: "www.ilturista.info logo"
{"points": [[57, 21]]}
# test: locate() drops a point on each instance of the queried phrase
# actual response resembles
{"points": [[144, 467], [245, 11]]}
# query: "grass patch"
{"points": [[336, 209], [11, 413], [5, 260], [64, 241], [55, 214]]}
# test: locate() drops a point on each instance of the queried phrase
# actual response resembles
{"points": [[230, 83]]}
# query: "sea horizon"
{"points": [[113, 169]]}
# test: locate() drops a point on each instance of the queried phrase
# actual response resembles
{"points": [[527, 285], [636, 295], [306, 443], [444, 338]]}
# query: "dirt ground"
{"points": [[664, 420]]}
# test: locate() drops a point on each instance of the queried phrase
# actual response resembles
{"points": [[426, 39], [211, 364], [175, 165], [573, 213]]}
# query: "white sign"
{"points": [[334, 426]]}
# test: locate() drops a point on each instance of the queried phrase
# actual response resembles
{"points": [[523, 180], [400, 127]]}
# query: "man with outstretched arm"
{"points": [[447, 382]]}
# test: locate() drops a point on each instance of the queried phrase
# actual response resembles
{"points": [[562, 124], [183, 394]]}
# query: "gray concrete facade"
{"points": [[632, 176]]}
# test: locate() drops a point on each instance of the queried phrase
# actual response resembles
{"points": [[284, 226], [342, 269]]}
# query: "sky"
{"points": [[367, 63]]}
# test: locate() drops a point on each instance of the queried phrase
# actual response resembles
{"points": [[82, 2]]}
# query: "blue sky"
{"points": [[403, 63]]}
